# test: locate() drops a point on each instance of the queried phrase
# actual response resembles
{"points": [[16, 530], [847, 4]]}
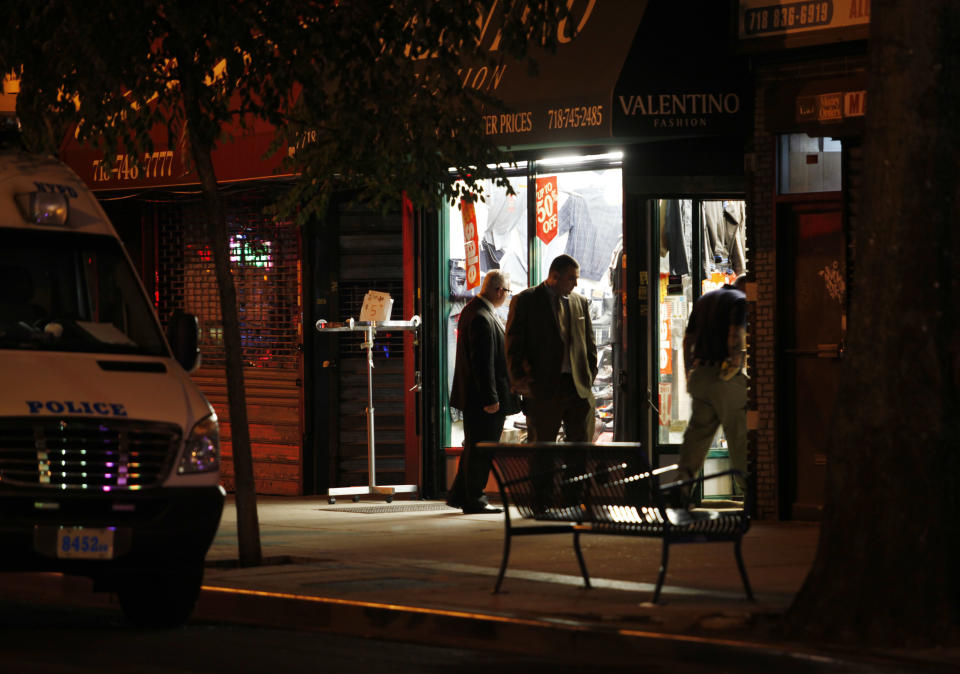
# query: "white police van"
{"points": [[109, 454]]}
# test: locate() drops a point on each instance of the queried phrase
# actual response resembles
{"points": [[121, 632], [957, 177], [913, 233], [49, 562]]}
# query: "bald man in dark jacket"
{"points": [[481, 390]]}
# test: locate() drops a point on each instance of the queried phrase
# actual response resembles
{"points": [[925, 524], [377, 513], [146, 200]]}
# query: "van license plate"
{"points": [[82, 543]]}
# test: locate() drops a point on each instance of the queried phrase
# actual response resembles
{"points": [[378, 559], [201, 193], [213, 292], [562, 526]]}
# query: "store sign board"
{"points": [[567, 97], [831, 108], [677, 110], [242, 158], [471, 243], [682, 78], [834, 107], [547, 218], [246, 152], [769, 18]]}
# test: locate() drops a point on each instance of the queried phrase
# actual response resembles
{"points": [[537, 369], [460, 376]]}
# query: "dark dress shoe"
{"points": [[482, 510]]}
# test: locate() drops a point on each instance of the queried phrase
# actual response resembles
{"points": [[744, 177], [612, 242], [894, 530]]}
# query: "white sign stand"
{"points": [[369, 328]]}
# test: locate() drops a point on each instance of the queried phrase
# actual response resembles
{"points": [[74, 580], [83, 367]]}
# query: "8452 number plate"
{"points": [[83, 543]]}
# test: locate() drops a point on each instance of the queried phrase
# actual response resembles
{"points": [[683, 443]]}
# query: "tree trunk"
{"points": [[248, 526], [886, 568]]}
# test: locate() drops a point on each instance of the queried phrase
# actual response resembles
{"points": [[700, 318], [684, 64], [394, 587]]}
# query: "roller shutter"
{"points": [[265, 257]]}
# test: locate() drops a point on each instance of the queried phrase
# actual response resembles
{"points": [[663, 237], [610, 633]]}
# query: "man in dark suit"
{"points": [[481, 390], [552, 355]]}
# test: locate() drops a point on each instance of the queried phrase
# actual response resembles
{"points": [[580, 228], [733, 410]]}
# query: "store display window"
{"points": [[493, 236], [572, 211]]}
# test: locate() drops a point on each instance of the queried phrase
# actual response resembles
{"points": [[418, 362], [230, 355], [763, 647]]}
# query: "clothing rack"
{"points": [[369, 329]]}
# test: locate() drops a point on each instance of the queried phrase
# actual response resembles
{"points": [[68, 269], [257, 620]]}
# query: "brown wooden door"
{"points": [[813, 292]]}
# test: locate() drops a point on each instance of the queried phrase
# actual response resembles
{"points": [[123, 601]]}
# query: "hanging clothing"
{"points": [[735, 218], [724, 233], [575, 221], [504, 242], [676, 235]]}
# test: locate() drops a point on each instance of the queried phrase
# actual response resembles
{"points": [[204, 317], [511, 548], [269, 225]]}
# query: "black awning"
{"points": [[637, 70], [683, 77], [569, 100]]}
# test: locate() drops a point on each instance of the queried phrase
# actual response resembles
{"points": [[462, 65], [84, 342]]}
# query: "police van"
{"points": [[109, 454]]}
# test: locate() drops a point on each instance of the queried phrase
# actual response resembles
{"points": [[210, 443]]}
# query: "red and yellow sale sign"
{"points": [[547, 220], [471, 243]]}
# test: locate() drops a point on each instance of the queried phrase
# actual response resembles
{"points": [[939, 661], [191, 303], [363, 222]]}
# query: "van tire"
{"points": [[160, 597]]}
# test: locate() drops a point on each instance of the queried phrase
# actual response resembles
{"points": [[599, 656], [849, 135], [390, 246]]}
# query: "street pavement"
{"points": [[421, 572]]}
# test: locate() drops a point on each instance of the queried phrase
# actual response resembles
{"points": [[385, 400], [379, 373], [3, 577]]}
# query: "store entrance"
{"points": [[698, 245], [812, 275], [570, 206]]}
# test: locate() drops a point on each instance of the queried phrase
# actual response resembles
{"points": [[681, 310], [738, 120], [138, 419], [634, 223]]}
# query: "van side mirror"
{"points": [[183, 333]]}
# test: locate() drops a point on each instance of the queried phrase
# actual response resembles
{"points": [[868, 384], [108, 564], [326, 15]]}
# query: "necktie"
{"points": [[562, 319]]}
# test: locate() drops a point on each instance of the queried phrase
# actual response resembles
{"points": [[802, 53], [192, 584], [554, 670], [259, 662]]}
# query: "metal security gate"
{"points": [[265, 258], [371, 258]]}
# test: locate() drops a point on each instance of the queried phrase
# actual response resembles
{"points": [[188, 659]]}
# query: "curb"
{"points": [[576, 642], [573, 642]]}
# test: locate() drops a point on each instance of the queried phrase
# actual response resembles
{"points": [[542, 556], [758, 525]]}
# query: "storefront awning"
{"points": [[644, 70], [243, 157], [623, 70], [569, 99], [683, 77]]}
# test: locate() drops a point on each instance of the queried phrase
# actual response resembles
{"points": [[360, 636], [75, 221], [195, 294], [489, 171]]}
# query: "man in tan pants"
{"points": [[714, 346]]}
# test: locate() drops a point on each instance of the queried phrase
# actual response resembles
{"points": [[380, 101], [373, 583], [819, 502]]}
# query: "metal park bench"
{"points": [[582, 488]]}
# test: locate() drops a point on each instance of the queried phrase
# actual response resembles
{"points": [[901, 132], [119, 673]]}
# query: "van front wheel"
{"points": [[160, 597]]}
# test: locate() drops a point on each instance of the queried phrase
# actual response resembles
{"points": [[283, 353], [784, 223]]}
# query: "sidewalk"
{"points": [[424, 554], [419, 571]]}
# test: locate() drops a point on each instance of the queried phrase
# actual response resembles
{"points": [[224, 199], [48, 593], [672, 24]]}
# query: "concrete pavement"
{"points": [[424, 554], [420, 571]]}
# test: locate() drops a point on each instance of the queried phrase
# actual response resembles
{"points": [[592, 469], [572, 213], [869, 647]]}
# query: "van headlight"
{"points": [[201, 453]]}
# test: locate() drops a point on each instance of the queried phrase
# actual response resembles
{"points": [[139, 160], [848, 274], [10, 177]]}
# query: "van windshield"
{"points": [[72, 292]]}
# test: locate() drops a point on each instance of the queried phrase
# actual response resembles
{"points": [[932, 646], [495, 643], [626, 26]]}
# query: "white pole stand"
{"points": [[369, 328]]}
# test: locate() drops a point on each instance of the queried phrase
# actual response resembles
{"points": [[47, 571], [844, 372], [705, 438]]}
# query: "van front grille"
{"points": [[85, 454]]}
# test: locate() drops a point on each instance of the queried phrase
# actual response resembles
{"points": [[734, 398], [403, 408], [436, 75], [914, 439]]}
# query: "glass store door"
{"points": [[700, 244]]}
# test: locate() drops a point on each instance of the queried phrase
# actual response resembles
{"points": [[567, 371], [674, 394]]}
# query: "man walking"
{"points": [[552, 355], [481, 390], [713, 349]]}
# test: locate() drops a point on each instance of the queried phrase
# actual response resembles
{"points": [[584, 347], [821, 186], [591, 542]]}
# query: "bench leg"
{"points": [[503, 562], [664, 558], [743, 569], [583, 566]]}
